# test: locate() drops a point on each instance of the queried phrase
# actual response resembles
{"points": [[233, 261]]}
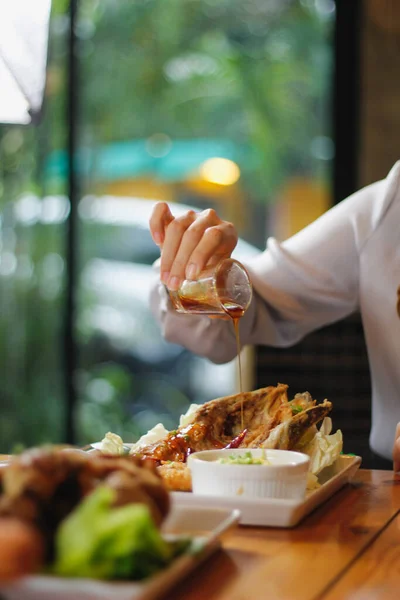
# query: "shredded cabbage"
{"points": [[324, 448], [112, 444], [155, 434], [187, 418]]}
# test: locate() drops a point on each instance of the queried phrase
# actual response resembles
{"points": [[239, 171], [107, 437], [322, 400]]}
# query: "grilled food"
{"points": [[42, 486], [21, 549], [269, 420]]}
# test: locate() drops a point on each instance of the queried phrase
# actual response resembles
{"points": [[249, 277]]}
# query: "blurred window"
{"points": [[32, 231], [205, 103]]}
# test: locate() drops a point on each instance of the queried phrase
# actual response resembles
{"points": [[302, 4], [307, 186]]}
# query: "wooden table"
{"points": [[349, 548]]}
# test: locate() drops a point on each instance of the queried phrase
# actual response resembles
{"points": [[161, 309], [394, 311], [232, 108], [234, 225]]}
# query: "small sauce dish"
{"points": [[249, 472]]}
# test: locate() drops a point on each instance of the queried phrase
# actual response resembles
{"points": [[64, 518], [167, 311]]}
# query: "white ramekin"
{"points": [[284, 477]]}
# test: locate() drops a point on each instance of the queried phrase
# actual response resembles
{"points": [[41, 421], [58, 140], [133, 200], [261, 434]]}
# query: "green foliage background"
{"points": [[256, 73]]}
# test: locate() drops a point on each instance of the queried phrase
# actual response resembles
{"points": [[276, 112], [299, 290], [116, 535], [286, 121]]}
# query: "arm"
{"points": [[307, 282]]}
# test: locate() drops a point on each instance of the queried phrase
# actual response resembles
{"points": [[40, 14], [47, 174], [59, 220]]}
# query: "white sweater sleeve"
{"points": [[300, 285]]}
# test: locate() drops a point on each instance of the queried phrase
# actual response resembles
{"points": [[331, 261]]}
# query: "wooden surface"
{"points": [[376, 574], [351, 543], [347, 549]]}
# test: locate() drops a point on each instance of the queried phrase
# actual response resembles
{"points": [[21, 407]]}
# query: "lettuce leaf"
{"points": [[324, 448], [100, 541]]}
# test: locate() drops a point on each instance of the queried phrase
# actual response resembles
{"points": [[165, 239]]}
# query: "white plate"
{"points": [[97, 445], [205, 525], [271, 512]]}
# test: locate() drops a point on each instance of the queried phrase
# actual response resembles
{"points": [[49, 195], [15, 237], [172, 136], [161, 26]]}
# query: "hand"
{"points": [[190, 242], [396, 450]]}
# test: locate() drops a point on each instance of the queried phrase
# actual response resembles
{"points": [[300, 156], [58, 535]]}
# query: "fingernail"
{"points": [[192, 271], [158, 238], [174, 283], [164, 277]]}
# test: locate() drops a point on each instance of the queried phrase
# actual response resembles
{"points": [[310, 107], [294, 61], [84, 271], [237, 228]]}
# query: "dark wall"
{"points": [[331, 363]]}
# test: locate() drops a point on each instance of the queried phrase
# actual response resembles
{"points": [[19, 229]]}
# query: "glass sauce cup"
{"points": [[224, 289]]}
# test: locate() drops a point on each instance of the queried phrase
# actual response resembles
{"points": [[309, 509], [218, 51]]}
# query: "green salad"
{"points": [[100, 541]]}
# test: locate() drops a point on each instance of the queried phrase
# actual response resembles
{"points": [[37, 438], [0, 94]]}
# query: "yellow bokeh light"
{"points": [[220, 170]]}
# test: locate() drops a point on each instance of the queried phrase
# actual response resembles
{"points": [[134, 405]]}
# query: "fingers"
{"points": [[182, 266], [173, 239], [189, 242], [396, 450], [194, 242], [160, 218], [217, 242]]}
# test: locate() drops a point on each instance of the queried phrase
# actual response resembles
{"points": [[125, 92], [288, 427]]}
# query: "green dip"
{"points": [[244, 459]]}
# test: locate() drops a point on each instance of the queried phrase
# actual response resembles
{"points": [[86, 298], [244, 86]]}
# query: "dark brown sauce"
{"points": [[236, 312], [196, 305], [177, 446]]}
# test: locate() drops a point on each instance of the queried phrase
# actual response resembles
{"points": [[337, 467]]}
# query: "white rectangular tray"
{"points": [[205, 524], [271, 512]]}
